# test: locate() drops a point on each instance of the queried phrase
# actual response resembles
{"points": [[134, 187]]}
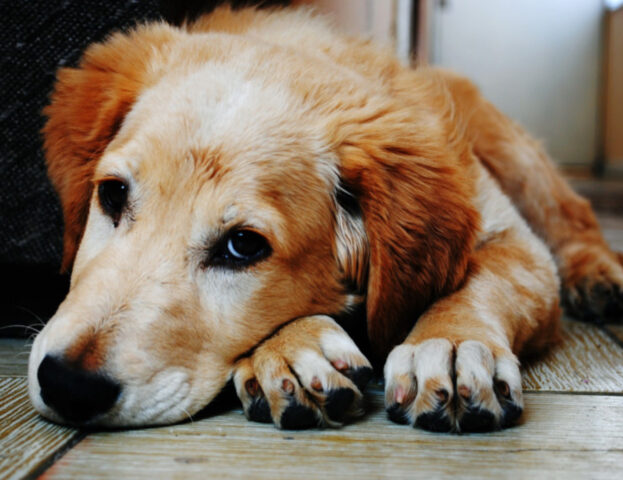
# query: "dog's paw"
{"points": [[436, 387], [592, 287], [309, 374]]}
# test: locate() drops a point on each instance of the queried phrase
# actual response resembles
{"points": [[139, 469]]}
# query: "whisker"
{"points": [[31, 338], [40, 320], [190, 417], [25, 327]]}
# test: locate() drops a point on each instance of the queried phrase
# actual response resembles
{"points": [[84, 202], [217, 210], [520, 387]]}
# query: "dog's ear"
{"points": [[415, 206], [87, 108]]}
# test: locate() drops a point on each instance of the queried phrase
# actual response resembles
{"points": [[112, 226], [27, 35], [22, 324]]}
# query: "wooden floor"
{"points": [[572, 428]]}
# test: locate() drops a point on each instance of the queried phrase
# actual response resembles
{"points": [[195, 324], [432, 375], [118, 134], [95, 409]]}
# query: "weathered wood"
{"points": [[14, 357], [587, 360], [562, 435], [26, 441]]}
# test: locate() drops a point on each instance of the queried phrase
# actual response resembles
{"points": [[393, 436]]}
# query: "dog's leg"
{"points": [[592, 275], [458, 370], [310, 373]]}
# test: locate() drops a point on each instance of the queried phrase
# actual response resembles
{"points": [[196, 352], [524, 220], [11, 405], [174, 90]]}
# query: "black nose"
{"points": [[75, 394]]}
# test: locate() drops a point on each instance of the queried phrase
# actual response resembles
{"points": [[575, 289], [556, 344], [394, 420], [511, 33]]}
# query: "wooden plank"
{"points": [[14, 357], [562, 435], [26, 441], [587, 360]]}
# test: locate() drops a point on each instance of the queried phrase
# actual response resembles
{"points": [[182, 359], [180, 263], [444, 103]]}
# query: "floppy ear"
{"points": [[87, 108], [86, 111], [415, 201]]}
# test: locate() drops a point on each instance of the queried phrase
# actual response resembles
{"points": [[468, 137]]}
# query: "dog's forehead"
{"points": [[235, 141], [218, 105], [223, 110]]}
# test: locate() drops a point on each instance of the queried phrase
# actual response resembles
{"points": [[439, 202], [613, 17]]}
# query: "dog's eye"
{"points": [[113, 197], [240, 248]]}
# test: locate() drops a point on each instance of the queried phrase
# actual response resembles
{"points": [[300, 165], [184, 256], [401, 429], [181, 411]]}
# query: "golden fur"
{"points": [[371, 182]]}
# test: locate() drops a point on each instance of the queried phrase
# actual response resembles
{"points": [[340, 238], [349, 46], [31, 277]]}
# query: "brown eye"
{"points": [[240, 248], [113, 198]]}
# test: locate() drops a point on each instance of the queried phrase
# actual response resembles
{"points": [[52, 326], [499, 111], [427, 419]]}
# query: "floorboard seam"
{"points": [[55, 456], [562, 392]]}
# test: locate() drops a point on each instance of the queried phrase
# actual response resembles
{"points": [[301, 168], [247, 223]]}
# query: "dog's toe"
{"points": [[304, 381], [438, 387], [419, 388]]}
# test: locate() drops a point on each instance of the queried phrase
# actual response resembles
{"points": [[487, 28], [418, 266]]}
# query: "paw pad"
{"points": [[477, 419], [337, 403], [259, 411], [297, 417], [436, 421]]}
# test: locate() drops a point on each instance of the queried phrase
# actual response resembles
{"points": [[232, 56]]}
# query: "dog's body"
{"points": [[230, 185]]}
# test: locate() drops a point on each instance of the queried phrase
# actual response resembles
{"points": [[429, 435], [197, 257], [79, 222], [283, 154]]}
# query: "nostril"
{"points": [[75, 394]]}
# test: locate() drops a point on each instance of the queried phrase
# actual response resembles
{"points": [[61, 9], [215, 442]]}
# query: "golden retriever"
{"points": [[234, 190]]}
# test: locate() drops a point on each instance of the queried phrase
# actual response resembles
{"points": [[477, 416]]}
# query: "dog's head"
{"points": [[211, 197]]}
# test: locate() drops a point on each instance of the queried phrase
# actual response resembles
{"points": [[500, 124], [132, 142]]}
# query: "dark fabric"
{"points": [[36, 38], [29, 297], [176, 11]]}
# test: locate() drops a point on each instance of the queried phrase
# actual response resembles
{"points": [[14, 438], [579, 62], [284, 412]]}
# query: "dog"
{"points": [[236, 189]]}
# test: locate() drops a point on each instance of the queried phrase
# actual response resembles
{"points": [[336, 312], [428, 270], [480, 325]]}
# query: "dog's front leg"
{"points": [[310, 373], [458, 369]]}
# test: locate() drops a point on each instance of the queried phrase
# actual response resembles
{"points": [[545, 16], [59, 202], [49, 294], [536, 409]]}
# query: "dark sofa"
{"points": [[36, 38]]}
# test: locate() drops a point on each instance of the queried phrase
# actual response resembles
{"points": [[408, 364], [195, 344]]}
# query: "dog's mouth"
{"points": [[69, 394], [84, 399]]}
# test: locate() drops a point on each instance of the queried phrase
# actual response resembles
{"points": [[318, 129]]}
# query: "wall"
{"points": [[539, 61], [613, 107]]}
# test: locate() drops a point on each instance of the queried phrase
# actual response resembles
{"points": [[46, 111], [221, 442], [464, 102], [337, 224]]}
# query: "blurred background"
{"points": [[555, 66]]}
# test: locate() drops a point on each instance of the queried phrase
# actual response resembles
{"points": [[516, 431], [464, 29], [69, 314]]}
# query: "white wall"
{"points": [[537, 60]]}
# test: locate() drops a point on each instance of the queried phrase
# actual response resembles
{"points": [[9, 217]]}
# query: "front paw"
{"points": [[438, 387], [309, 374]]}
